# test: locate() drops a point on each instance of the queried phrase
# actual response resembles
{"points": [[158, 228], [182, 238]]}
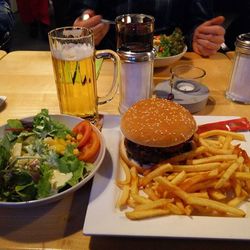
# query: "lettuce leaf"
{"points": [[44, 125], [17, 186], [44, 185], [15, 123]]}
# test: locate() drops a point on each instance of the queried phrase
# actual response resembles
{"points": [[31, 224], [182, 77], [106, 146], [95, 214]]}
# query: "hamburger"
{"points": [[155, 130]]}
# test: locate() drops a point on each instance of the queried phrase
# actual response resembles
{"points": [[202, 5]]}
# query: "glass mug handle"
{"points": [[110, 54]]}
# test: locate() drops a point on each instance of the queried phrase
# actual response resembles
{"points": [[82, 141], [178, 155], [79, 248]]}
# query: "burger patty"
{"points": [[148, 155]]}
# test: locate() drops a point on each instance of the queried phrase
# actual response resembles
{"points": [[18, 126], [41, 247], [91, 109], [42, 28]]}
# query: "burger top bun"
{"points": [[157, 122]]}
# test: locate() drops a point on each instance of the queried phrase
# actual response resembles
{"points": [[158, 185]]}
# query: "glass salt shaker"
{"points": [[239, 86], [134, 33], [136, 77]]}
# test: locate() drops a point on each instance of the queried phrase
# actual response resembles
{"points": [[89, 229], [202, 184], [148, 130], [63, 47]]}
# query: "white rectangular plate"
{"points": [[102, 218]]}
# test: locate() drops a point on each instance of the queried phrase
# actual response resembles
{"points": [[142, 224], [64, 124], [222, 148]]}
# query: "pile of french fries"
{"points": [[213, 180]]}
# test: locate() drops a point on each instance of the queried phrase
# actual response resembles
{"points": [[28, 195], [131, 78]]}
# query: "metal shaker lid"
{"points": [[243, 43], [132, 57]]}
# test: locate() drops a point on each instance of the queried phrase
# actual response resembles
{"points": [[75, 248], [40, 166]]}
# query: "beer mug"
{"points": [[73, 56]]}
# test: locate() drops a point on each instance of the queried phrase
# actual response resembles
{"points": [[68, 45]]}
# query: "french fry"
{"points": [[236, 201], [188, 210], [201, 186], [197, 167], [214, 143], [174, 189], [182, 157], [180, 205], [227, 142], [234, 135], [143, 214], [219, 206], [242, 175], [174, 208], [228, 173], [134, 181], [151, 194], [187, 183], [213, 150], [191, 200], [236, 186], [127, 174], [139, 199], [213, 179], [179, 178], [217, 195], [200, 194], [156, 172], [161, 203], [171, 176], [213, 159], [131, 202], [122, 201]]}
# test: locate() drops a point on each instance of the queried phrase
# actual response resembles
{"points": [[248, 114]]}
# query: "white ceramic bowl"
{"points": [[70, 122], [166, 61]]}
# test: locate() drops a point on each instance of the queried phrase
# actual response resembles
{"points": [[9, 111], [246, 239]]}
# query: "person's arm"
{"points": [[89, 19], [209, 36], [204, 32], [75, 12]]}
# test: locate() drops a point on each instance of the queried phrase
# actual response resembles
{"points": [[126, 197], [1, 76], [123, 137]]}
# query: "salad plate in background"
{"points": [[169, 49], [43, 174], [166, 61]]}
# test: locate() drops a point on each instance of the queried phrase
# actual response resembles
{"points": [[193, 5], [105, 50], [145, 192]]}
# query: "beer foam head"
{"points": [[72, 52]]}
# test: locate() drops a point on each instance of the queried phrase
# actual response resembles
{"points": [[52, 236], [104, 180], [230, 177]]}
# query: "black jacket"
{"points": [[6, 24], [168, 14]]}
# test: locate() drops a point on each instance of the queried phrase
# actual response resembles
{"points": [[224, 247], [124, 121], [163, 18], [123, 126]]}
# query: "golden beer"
{"points": [[76, 86], [73, 57]]}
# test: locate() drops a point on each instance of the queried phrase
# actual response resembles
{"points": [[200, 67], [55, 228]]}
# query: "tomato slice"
{"points": [[82, 131], [89, 151]]}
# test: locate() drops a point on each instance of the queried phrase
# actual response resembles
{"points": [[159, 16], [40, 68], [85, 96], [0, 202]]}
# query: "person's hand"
{"points": [[92, 21], [209, 36]]}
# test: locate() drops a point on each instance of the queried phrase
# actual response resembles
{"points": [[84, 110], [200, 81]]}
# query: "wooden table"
{"points": [[2, 53], [230, 54], [26, 78]]}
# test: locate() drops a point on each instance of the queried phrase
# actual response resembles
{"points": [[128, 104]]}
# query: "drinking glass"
{"points": [[186, 77], [134, 32], [73, 56]]}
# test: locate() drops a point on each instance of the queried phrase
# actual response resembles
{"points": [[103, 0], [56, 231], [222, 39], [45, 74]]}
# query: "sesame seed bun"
{"points": [[157, 122]]}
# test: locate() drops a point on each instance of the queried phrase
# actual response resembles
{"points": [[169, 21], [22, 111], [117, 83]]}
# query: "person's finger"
{"points": [[89, 23], [204, 51], [100, 31], [196, 49], [210, 37], [89, 12], [208, 45], [214, 30], [214, 21]]}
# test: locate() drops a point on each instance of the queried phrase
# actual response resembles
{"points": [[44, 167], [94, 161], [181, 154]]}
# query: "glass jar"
{"points": [[136, 77], [239, 86]]}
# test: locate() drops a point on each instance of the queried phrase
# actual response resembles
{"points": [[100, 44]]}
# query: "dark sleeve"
{"points": [[239, 25], [66, 11], [6, 20], [199, 11]]}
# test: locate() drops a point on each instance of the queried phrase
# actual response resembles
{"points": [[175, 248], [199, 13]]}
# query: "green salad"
{"points": [[169, 45], [32, 165]]}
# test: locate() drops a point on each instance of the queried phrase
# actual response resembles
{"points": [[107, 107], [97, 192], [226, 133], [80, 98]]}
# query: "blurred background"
{"points": [[24, 38]]}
